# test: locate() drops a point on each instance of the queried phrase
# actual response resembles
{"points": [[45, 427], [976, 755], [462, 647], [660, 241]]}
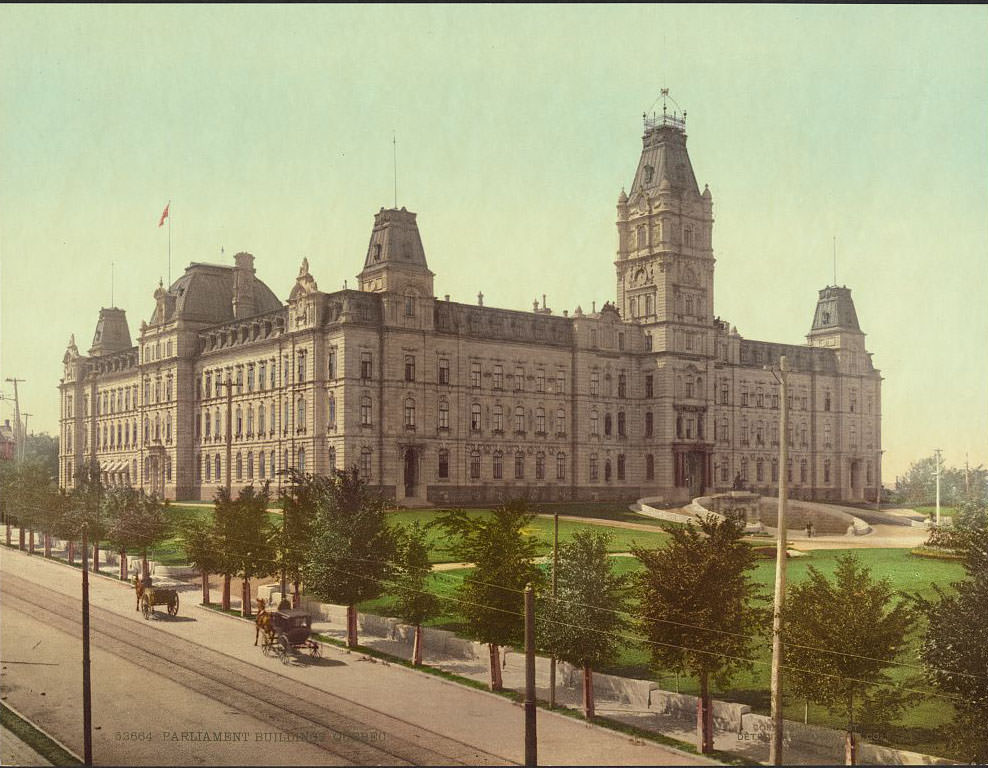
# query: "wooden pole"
{"points": [[555, 568], [775, 748], [531, 733], [87, 704]]}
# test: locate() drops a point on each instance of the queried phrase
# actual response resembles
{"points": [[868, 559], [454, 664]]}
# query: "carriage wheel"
{"points": [[146, 607], [173, 606], [284, 649], [315, 649], [266, 647]]}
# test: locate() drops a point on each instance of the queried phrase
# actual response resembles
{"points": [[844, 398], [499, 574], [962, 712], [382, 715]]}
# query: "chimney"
{"points": [[243, 286]]}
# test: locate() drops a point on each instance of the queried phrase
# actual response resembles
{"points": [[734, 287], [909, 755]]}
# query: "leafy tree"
{"points": [[955, 645], [137, 520], [413, 601], [202, 550], [918, 485], [119, 504], [42, 448], [245, 538], [31, 489], [352, 545], [299, 501], [492, 595], [86, 507], [840, 638], [698, 607], [581, 624]]}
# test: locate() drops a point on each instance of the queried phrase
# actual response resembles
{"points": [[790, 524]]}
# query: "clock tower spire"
{"points": [[665, 263]]}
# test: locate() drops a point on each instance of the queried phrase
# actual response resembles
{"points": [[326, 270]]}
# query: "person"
{"points": [[738, 483]]}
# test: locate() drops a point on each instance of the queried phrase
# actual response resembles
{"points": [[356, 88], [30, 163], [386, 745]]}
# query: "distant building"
{"points": [[441, 402], [8, 441]]}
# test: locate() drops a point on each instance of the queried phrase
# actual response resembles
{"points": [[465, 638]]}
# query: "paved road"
{"points": [[176, 679]]}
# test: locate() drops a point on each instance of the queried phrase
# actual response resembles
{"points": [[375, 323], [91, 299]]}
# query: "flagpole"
{"points": [[169, 243]]}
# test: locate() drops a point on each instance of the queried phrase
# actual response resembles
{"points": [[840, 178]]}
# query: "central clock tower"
{"points": [[665, 263]]}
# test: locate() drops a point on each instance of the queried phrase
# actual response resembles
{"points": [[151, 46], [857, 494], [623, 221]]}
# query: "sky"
{"points": [[274, 129]]}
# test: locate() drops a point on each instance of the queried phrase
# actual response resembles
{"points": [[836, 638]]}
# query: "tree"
{"points": [[251, 551], [86, 507], [119, 504], [955, 645], [352, 545], [841, 637], [225, 535], [413, 601], [202, 549], [299, 500], [492, 595], [581, 624], [918, 485], [42, 449], [698, 607], [139, 521]]}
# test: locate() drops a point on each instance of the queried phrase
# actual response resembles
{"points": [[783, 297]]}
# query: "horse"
{"points": [[139, 590], [263, 621]]}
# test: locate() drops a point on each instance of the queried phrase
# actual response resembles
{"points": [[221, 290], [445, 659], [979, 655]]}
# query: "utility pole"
{"points": [[229, 428], [531, 733], [775, 748], [555, 569], [936, 454], [87, 703], [24, 451], [18, 436]]}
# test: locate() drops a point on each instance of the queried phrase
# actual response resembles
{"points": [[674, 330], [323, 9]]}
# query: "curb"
{"points": [[17, 713]]}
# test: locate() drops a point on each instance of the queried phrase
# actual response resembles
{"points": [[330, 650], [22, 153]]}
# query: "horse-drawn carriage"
{"points": [[148, 596], [286, 632]]}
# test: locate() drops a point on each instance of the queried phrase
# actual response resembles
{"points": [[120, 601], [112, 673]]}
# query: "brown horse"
{"points": [[263, 621], [139, 590]]}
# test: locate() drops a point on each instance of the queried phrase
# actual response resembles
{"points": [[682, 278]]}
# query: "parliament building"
{"points": [[440, 402]]}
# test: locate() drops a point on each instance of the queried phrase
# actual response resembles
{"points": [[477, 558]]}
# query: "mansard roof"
{"points": [[204, 294], [835, 310], [395, 240]]}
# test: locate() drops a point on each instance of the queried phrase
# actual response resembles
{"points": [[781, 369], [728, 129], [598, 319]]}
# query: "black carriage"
{"points": [[288, 633]]}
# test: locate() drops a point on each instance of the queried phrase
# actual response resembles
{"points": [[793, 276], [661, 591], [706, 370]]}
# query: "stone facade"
{"points": [[448, 403]]}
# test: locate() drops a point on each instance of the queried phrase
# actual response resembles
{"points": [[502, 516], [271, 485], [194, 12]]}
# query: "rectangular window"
{"points": [[560, 383], [498, 377], [540, 466], [443, 371], [540, 380], [560, 466], [366, 365], [443, 465], [519, 466], [519, 379], [301, 366], [475, 465], [262, 374], [594, 383], [409, 368], [475, 375], [649, 391], [250, 377], [498, 469], [331, 364]]}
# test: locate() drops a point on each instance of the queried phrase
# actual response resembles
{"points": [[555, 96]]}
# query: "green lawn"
{"points": [[931, 512], [540, 529]]}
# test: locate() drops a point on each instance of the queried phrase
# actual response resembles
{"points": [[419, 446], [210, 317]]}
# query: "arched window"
{"points": [[260, 420], [593, 467], [560, 466], [216, 423], [409, 413], [607, 424], [157, 427], [260, 465], [498, 466], [649, 467], [301, 460], [208, 466], [443, 414], [300, 415], [620, 466], [560, 422], [331, 455], [365, 410], [332, 411], [218, 466], [498, 419], [540, 466], [519, 465], [620, 423], [475, 417], [250, 465], [240, 467], [250, 421], [239, 422], [209, 424], [607, 470], [475, 465], [594, 422]]}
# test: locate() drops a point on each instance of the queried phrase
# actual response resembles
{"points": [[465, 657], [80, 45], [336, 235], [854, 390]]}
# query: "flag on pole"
{"points": [[164, 214]]}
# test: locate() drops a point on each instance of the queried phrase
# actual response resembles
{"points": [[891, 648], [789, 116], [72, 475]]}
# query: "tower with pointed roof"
{"points": [[665, 262]]}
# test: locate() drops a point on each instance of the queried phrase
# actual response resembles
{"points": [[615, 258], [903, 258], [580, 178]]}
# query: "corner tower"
{"points": [[665, 263], [395, 261]]}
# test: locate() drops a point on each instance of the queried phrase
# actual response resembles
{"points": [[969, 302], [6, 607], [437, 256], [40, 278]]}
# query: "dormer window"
{"points": [[377, 252], [649, 172]]}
